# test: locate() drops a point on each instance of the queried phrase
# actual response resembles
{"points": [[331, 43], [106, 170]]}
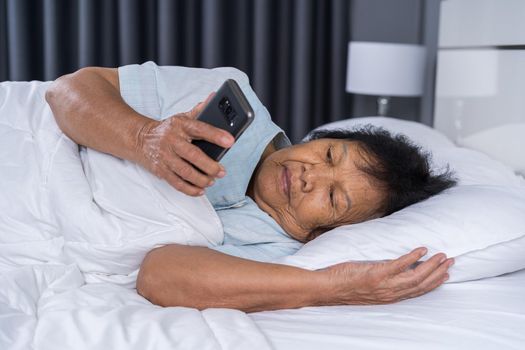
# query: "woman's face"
{"points": [[316, 184]]}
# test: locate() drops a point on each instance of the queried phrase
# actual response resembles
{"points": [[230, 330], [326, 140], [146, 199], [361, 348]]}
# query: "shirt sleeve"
{"points": [[262, 252], [159, 92], [138, 88]]}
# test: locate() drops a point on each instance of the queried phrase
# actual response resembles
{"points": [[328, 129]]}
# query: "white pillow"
{"points": [[480, 222]]}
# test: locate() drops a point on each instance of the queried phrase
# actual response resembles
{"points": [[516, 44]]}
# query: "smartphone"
{"points": [[229, 110]]}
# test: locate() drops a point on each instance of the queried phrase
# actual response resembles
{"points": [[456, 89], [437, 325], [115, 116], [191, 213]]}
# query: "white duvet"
{"points": [[55, 208]]}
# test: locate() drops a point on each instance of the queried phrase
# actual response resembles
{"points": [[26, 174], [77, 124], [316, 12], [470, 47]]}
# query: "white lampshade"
{"points": [[385, 69], [467, 73]]}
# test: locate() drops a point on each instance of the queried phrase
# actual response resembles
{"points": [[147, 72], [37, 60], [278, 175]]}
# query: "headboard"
{"points": [[480, 85]]}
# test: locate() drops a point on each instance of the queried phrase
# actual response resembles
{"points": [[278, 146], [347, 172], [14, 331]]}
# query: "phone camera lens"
{"points": [[228, 110], [223, 103]]}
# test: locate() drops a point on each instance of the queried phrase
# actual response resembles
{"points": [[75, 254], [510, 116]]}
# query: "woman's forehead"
{"points": [[323, 142]]}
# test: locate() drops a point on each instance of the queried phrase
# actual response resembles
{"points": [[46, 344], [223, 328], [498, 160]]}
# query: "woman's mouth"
{"points": [[285, 181]]}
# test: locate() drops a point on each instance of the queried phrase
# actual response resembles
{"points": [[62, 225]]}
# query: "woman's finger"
{"points": [[195, 156], [188, 173], [402, 263], [432, 281], [416, 292], [433, 284], [412, 278], [198, 130], [179, 184], [423, 270]]}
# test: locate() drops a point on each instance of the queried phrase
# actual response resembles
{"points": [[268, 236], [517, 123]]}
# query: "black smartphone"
{"points": [[229, 110]]}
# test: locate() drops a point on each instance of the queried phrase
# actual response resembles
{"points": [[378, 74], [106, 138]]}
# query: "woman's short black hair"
{"points": [[399, 166]]}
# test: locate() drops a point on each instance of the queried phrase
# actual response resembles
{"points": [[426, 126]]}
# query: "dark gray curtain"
{"points": [[293, 51]]}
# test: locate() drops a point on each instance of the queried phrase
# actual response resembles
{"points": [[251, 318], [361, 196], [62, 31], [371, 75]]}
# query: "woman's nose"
{"points": [[315, 176]]}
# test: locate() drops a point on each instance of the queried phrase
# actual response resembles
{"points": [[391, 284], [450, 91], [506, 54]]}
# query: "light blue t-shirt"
{"points": [[162, 91]]}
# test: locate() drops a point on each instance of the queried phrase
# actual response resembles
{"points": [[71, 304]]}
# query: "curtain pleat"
{"points": [[294, 51], [24, 41], [191, 39], [59, 29], [212, 47], [243, 34], [338, 48], [4, 62], [263, 50], [89, 30], [302, 69], [107, 34], [129, 31], [283, 70], [52, 32], [150, 31], [169, 27], [321, 91]]}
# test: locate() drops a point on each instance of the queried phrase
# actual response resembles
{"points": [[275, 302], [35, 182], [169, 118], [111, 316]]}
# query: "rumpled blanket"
{"points": [[71, 243]]}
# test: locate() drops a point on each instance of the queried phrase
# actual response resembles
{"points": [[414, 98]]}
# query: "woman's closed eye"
{"points": [[329, 155], [330, 160]]}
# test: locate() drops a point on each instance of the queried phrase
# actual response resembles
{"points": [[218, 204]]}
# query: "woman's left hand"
{"points": [[166, 150], [387, 281]]}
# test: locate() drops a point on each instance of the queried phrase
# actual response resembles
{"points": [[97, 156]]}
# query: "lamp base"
{"points": [[383, 105]]}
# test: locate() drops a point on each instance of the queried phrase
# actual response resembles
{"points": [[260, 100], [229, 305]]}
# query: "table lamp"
{"points": [[385, 70], [463, 74]]}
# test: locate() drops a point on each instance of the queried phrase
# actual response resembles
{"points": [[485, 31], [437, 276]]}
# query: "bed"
{"points": [[61, 290], [56, 295]]}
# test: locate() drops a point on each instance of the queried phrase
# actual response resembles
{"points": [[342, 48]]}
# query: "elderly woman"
{"points": [[269, 195]]}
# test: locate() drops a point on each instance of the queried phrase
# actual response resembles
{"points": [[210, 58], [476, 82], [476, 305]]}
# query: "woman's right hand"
{"points": [[165, 149], [386, 281]]}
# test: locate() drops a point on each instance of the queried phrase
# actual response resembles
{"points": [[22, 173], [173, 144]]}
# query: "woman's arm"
{"points": [[198, 277], [88, 107]]}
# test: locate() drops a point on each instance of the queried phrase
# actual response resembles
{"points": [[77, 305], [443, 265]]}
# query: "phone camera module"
{"points": [[224, 104]]}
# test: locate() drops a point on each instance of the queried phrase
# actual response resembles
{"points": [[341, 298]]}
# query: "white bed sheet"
{"points": [[483, 314], [50, 307]]}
